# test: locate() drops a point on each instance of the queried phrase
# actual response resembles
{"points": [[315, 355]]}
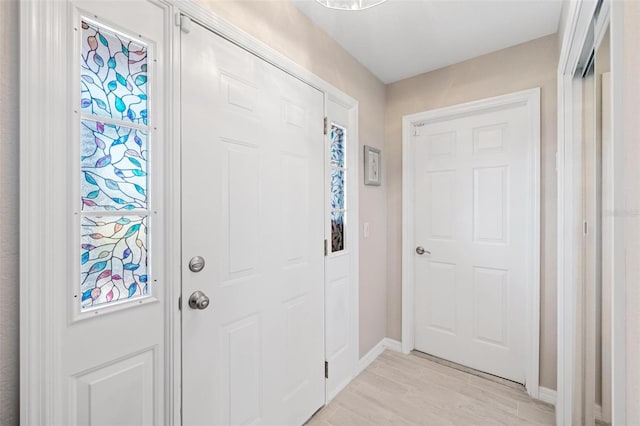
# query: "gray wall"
{"points": [[9, 301]]}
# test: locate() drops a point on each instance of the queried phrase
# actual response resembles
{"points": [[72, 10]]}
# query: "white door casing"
{"points": [[607, 245], [253, 196], [471, 198], [576, 41]]}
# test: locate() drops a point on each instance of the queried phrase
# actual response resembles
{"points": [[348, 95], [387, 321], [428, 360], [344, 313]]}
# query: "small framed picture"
{"points": [[372, 166]]}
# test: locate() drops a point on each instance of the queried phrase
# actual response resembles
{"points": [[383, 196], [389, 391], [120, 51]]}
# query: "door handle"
{"points": [[198, 300], [420, 250]]}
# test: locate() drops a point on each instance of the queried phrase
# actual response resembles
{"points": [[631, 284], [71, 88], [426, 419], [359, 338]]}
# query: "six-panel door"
{"points": [[470, 290], [253, 208]]}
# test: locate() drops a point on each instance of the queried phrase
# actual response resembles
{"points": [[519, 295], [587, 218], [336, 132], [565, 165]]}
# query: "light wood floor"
{"points": [[400, 389]]}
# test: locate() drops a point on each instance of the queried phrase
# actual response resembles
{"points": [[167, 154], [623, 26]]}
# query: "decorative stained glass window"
{"points": [[114, 167], [337, 231], [338, 182], [113, 75], [113, 259], [114, 154], [337, 188]]}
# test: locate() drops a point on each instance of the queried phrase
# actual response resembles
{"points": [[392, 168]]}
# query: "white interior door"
{"points": [[253, 209], [470, 285]]}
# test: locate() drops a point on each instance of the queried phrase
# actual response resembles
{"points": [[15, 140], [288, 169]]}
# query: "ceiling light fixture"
{"points": [[350, 4]]}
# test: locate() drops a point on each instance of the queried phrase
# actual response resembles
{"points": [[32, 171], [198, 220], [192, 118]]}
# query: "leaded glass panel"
{"points": [[113, 259], [114, 154], [337, 189], [337, 146], [114, 167], [337, 231], [113, 75]]}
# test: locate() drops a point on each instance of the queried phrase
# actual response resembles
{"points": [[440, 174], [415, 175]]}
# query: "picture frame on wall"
{"points": [[372, 166]]}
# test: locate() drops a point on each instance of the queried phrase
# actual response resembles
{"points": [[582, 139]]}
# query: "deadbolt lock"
{"points": [[196, 264]]}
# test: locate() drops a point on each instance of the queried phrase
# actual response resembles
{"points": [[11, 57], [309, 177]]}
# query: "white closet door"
{"points": [[470, 288]]}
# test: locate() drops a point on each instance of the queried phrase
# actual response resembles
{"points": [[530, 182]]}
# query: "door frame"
{"points": [[530, 98], [45, 82], [570, 169]]}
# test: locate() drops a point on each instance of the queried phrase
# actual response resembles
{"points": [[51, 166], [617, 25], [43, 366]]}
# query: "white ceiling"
{"points": [[402, 38]]}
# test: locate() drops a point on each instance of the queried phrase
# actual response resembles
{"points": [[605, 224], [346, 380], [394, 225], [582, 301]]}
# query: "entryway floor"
{"points": [[398, 389]]}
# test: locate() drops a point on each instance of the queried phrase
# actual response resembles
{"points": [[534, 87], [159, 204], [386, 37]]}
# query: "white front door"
{"points": [[253, 209], [470, 284]]}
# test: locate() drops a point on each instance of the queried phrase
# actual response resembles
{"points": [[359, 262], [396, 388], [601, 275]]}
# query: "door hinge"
{"points": [[585, 229], [326, 126], [326, 369], [326, 247], [184, 22], [180, 303]]}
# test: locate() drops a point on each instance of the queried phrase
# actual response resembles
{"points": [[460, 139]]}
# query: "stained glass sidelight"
{"points": [[337, 146], [114, 153], [113, 259], [114, 167], [337, 231], [337, 189], [113, 75], [338, 176]]}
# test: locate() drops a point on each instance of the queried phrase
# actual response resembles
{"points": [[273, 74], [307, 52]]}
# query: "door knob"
{"points": [[196, 264], [198, 300], [420, 250]]}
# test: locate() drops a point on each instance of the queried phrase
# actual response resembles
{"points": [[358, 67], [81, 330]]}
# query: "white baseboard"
{"points": [[547, 395], [375, 352], [597, 412], [391, 344], [371, 356]]}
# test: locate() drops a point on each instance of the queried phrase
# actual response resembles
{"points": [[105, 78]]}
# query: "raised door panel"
{"points": [[490, 204], [440, 294], [118, 393], [490, 306], [241, 188], [441, 206], [488, 139], [293, 200], [243, 353]]}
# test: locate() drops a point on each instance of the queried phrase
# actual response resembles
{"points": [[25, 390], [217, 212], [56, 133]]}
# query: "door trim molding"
{"points": [[530, 98], [40, 30], [580, 15], [568, 164]]}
